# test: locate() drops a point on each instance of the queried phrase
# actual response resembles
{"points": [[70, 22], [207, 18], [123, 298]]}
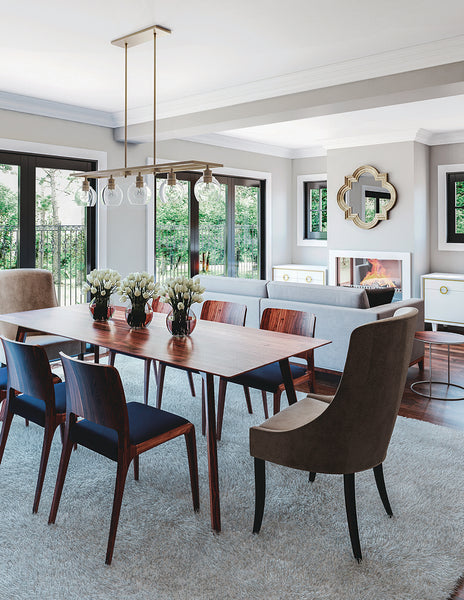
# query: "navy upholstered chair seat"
{"points": [[268, 378], [33, 409], [145, 423]]}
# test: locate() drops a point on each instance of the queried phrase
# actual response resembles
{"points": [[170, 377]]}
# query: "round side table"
{"points": [[452, 391]]}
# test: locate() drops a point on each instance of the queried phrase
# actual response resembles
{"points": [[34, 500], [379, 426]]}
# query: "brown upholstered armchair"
{"points": [[30, 289], [347, 432]]}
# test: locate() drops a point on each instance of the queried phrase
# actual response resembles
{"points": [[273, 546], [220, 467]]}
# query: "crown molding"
{"points": [[235, 143], [55, 110], [447, 137]]}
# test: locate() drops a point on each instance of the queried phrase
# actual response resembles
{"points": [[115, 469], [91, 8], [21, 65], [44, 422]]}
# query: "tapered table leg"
{"points": [[212, 454], [288, 381]]}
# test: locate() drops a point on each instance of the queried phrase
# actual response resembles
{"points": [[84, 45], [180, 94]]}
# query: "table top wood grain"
{"points": [[215, 348]]}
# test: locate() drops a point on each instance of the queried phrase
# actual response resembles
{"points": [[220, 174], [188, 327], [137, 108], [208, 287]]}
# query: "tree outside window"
{"points": [[455, 207], [315, 210]]}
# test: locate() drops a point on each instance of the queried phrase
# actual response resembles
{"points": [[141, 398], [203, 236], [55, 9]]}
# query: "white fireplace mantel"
{"points": [[404, 257]]}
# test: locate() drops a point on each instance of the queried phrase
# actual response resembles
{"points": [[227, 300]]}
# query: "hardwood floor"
{"points": [[441, 412]]}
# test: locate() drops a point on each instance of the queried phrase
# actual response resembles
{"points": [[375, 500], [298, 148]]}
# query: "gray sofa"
{"points": [[338, 310]]}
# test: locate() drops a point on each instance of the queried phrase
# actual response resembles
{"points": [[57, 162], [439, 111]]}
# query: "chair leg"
{"points": [[260, 493], [277, 396], [265, 408], [380, 481], [246, 389], [47, 443], [159, 391], [62, 430], [111, 357], [191, 383], [146, 379], [5, 430], [62, 470], [312, 476], [191, 444], [136, 467], [155, 370], [221, 404], [203, 407], [118, 493], [350, 505]]}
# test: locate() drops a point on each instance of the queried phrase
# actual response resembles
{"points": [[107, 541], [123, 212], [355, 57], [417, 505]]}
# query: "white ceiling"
{"points": [[222, 53]]}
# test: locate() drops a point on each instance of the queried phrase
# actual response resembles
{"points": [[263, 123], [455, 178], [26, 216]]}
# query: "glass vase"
{"points": [[139, 315], [181, 323], [101, 308]]}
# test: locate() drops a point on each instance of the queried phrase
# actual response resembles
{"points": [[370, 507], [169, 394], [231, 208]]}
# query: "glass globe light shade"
{"points": [[138, 193], [85, 197], [170, 192], [207, 190], [112, 194]]}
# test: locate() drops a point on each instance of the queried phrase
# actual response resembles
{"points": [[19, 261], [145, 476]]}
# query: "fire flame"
{"points": [[377, 276]]}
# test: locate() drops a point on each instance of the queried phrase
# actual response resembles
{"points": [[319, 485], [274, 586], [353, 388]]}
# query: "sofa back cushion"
{"points": [[234, 285], [318, 294]]}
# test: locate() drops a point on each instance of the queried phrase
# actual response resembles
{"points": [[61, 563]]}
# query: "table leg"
{"points": [[288, 381], [430, 363], [448, 364], [212, 454]]}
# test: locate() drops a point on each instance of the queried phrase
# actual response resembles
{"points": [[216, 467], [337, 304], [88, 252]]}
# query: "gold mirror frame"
{"points": [[349, 180]]}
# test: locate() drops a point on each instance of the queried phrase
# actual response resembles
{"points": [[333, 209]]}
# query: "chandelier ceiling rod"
{"points": [[126, 42]]}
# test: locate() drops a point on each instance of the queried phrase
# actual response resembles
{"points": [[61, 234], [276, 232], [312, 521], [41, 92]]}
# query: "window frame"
{"points": [[194, 242], [300, 221], [308, 210], [452, 237], [442, 207]]}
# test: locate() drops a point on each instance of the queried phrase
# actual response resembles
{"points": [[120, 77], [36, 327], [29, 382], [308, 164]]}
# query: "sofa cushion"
{"points": [[234, 285], [318, 294]]}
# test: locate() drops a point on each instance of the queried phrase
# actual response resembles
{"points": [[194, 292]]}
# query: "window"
{"points": [[41, 225], [455, 207], [220, 237], [315, 210]]}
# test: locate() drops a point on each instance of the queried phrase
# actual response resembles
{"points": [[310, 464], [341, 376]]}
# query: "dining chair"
{"points": [[32, 289], [158, 307], [350, 431], [33, 395], [269, 378], [98, 418], [218, 311]]}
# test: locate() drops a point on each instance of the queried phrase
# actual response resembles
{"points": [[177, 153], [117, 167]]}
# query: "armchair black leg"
{"points": [[312, 476], [380, 481], [350, 504], [260, 493]]}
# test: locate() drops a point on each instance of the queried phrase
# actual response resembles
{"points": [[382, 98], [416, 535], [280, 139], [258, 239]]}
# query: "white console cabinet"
{"points": [[300, 274], [443, 295]]}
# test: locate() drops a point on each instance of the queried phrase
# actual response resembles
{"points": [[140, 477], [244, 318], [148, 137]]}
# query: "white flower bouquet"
{"points": [[138, 288], [181, 293], [101, 283]]}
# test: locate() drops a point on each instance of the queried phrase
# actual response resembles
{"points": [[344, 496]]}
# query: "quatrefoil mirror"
{"points": [[366, 197]]}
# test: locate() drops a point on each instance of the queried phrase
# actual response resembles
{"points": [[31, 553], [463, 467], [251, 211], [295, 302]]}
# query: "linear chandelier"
{"points": [[207, 187]]}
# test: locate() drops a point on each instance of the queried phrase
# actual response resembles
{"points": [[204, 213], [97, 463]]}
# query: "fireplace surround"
{"points": [[372, 269]]}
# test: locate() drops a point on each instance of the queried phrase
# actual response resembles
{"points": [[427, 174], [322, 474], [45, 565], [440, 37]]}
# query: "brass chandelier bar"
{"points": [[129, 41]]}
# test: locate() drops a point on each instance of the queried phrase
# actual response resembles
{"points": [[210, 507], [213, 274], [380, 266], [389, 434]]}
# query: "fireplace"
{"points": [[372, 270]]}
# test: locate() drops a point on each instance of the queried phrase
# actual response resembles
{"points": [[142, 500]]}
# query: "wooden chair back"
{"points": [[285, 320], [160, 307], [29, 371], [94, 392], [219, 311]]}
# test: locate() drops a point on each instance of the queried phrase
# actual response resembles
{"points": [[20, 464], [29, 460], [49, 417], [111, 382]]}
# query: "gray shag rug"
{"points": [[166, 551]]}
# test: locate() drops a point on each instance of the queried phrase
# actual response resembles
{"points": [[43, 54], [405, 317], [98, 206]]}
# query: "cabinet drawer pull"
{"points": [[443, 289], [309, 278], [285, 277]]}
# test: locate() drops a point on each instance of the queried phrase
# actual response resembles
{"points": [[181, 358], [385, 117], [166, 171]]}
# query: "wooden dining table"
{"points": [[212, 349]]}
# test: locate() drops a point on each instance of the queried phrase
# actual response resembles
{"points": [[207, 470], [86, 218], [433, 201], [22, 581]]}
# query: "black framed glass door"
{"points": [[41, 224], [223, 236]]}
